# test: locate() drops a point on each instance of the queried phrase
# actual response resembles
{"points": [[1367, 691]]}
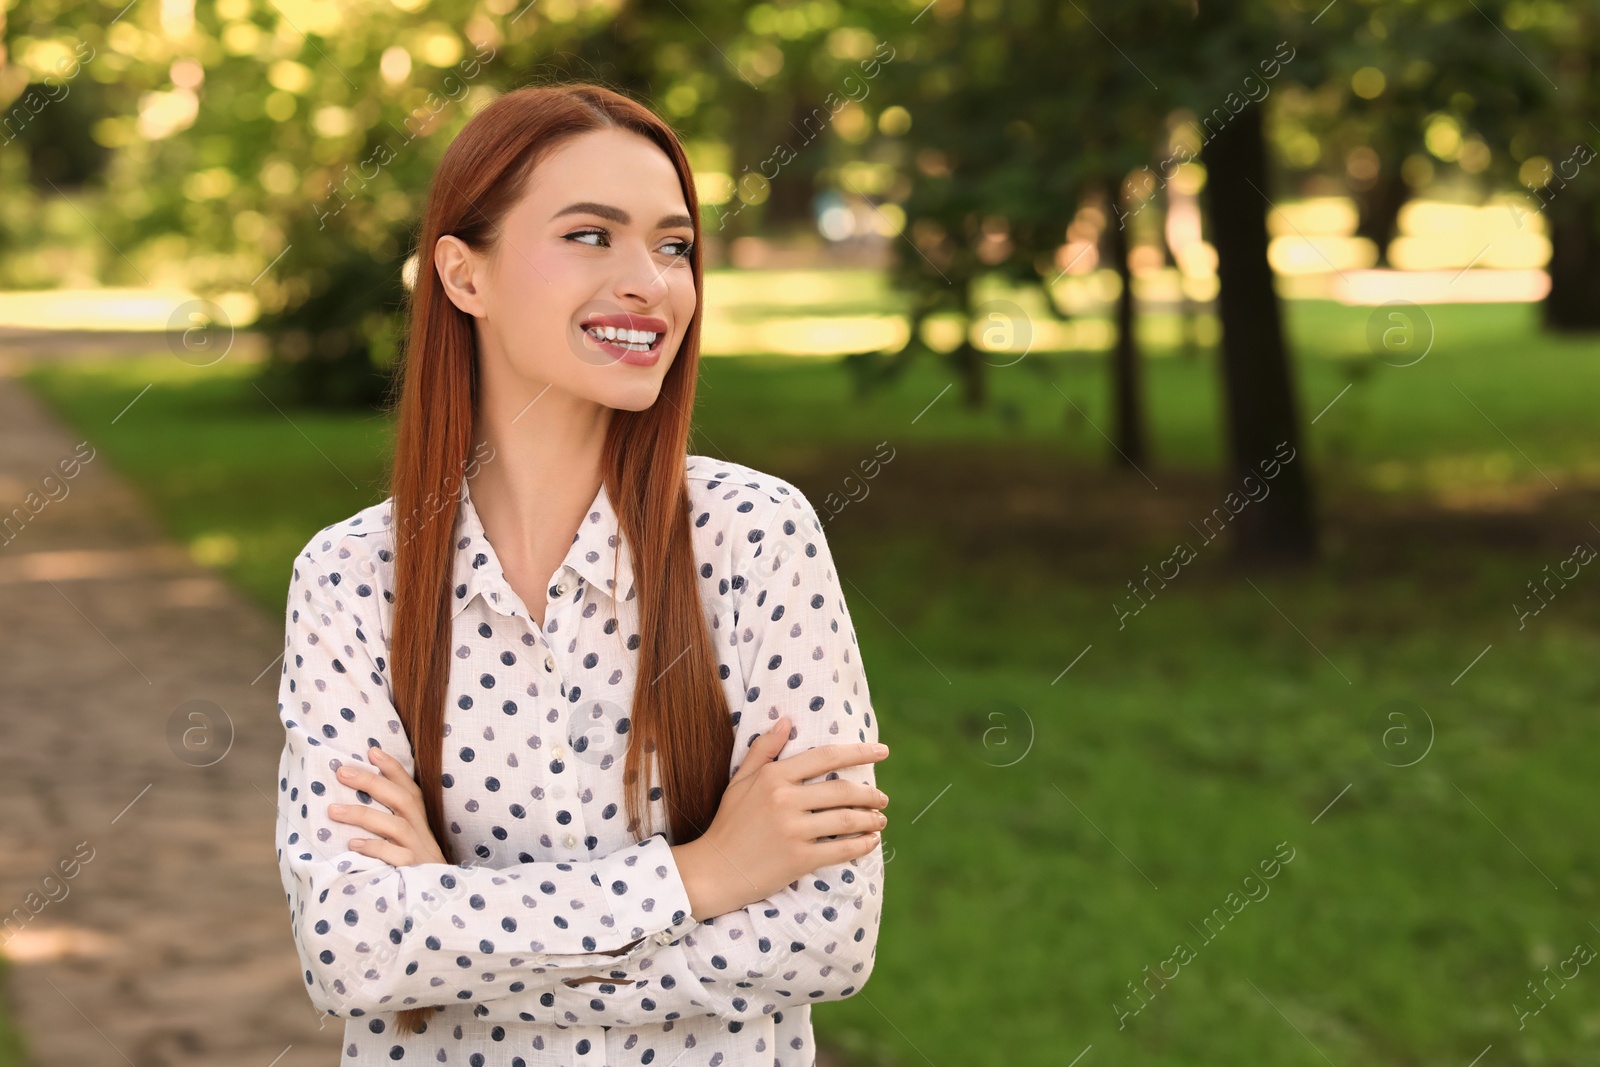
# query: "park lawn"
{"points": [[1055, 831], [13, 1051]]}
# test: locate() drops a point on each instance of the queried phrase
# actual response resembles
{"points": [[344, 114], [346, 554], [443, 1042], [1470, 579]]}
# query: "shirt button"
{"points": [[559, 751], [571, 840], [549, 661], [561, 589]]}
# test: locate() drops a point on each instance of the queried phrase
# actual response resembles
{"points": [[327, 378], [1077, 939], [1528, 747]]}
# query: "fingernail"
{"points": [[337, 809], [882, 750]]}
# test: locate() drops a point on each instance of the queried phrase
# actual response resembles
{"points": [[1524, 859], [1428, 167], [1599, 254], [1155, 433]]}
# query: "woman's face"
{"points": [[597, 246]]}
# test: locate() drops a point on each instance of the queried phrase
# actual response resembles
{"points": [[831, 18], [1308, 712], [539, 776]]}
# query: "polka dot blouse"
{"points": [[536, 731]]}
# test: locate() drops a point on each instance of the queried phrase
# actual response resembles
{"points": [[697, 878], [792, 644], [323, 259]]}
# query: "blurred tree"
{"points": [[1372, 85], [1258, 384], [1238, 50], [1127, 399], [1409, 94], [1557, 138], [1462, 96], [1019, 112], [62, 153]]}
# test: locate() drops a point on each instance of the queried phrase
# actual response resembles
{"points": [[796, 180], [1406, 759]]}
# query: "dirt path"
{"points": [[145, 923]]}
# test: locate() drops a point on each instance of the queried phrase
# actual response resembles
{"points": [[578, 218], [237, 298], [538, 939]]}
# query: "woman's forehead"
{"points": [[611, 168]]}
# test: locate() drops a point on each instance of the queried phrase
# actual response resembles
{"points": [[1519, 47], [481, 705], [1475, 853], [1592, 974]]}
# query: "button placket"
{"points": [[573, 838], [570, 840]]}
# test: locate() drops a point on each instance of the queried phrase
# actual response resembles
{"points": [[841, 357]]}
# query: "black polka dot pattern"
{"points": [[553, 880]]}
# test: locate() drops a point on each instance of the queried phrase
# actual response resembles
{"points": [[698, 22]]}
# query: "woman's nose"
{"points": [[642, 278]]}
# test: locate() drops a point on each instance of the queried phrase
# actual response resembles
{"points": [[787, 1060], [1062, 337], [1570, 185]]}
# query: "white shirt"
{"points": [[533, 757]]}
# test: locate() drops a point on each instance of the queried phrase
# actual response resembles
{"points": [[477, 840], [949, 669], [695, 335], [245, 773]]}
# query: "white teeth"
{"points": [[634, 340]]}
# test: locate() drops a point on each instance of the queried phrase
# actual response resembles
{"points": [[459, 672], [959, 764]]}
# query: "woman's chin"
{"points": [[635, 397]]}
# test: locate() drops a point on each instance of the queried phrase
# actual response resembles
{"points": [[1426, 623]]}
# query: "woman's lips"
{"points": [[637, 357], [626, 320], [636, 339]]}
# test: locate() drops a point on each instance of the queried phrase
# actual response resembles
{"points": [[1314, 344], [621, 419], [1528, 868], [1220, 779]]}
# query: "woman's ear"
{"points": [[461, 271]]}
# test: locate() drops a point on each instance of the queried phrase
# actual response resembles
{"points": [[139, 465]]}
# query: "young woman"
{"points": [[579, 759]]}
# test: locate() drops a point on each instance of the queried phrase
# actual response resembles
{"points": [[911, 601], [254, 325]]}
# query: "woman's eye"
{"points": [[684, 248], [578, 235]]}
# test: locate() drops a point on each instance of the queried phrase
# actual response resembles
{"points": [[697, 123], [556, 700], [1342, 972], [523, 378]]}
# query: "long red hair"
{"points": [[682, 717]]}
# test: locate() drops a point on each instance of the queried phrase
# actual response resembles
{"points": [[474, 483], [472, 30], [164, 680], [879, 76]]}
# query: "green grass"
{"points": [[1052, 833], [13, 1051]]}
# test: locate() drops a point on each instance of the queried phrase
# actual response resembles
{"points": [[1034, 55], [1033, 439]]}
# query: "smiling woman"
{"points": [[564, 262], [498, 845]]}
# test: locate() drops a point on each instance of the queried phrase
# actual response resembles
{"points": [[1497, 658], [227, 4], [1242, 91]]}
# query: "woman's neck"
{"points": [[544, 472]]}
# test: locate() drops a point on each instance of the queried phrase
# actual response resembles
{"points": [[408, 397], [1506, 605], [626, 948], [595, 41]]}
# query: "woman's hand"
{"points": [[769, 827], [405, 839]]}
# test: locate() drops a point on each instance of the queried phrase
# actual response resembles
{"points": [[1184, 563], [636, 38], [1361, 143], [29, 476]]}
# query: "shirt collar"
{"points": [[597, 547]]}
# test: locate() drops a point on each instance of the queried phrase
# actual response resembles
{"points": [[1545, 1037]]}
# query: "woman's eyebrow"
{"points": [[619, 216]]}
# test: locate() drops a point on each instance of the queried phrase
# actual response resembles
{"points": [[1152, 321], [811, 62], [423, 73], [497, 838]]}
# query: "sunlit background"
{"points": [[1022, 296]]}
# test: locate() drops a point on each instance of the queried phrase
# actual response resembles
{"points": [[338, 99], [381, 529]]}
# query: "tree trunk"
{"points": [[1573, 303], [1379, 206], [968, 362], [790, 205], [1126, 400], [1263, 424]]}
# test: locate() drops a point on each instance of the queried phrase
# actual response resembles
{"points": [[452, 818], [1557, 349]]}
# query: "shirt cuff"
{"points": [[657, 908]]}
